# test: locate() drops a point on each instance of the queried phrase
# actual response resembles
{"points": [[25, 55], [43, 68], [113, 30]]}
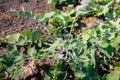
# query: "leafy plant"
{"points": [[97, 46]]}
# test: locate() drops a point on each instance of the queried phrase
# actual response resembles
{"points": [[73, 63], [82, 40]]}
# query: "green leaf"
{"points": [[47, 78], [104, 43], [39, 43], [17, 73], [11, 47], [58, 42], [112, 14], [22, 40], [13, 38], [92, 32], [114, 75], [31, 51], [115, 42], [93, 75], [85, 35], [108, 51], [27, 33], [58, 64], [44, 16], [79, 73], [35, 35], [105, 8], [118, 10], [60, 75], [26, 14]]}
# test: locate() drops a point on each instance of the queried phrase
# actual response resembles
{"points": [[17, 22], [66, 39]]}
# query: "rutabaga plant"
{"points": [[58, 22], [14, 61], [79, 53]]}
